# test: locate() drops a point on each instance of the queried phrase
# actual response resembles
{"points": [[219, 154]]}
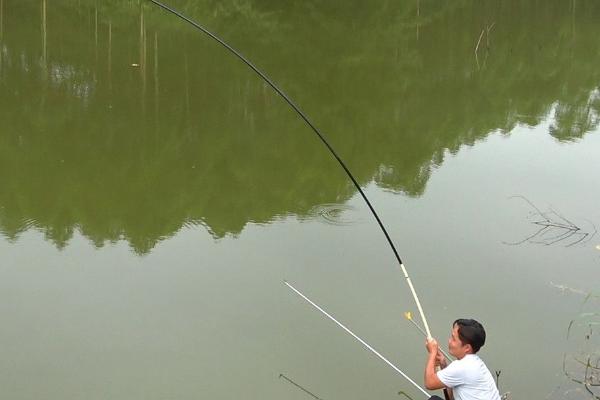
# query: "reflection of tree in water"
{"points": [[78, 154], [573, 120]]}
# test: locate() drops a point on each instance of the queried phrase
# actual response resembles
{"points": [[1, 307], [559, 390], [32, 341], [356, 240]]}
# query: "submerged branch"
{"points": [[555, 228]]}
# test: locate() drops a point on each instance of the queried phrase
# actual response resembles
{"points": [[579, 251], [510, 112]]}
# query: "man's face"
{"points": [[455, 346]]}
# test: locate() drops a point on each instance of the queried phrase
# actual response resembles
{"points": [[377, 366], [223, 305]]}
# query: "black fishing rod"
{"points": [[316, 131]]}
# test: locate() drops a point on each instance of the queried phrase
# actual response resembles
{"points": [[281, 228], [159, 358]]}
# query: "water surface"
{"points": [[155, 194]]}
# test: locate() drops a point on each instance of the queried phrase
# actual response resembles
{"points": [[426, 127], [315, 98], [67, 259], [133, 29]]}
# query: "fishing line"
{"points": [[318, 133]]}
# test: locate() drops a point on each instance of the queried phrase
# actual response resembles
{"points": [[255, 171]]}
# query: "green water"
{"points": [[155, 193]]}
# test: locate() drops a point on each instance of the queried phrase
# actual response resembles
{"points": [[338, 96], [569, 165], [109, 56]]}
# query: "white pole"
{"points": [[414, 293], [359, 339]]}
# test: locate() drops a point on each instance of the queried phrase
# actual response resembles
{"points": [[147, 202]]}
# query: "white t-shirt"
{"points": [[469, 379]]}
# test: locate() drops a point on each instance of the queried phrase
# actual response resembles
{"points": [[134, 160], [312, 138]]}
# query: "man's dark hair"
{"points": [[471, 332]]}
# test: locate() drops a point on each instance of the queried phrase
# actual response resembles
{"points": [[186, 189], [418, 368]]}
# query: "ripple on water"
{"points": [[27, 224], [335, 214]]}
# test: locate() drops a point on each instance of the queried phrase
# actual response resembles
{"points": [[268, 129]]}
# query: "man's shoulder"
{"points": [[468, 360], [472, 359], [470, 366]]}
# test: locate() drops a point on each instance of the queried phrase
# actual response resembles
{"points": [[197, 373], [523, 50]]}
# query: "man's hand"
{"points": [[432, 346], [431, 380], [440, 360]]}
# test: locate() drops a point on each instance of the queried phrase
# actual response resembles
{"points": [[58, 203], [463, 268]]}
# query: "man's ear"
{"points": [[469, 349]]}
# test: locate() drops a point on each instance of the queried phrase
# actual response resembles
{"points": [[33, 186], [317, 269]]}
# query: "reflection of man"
{"points": [[467, 376]]}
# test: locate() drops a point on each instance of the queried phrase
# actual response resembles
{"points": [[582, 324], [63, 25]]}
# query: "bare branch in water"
{"points": [[298, 386], [567, 289], [401, 393], [583, 366], [479, 42], [486, 30], [554, 228]]}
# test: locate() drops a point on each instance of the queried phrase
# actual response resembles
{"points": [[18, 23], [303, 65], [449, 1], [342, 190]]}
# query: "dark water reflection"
{"points": [[122, 122]]}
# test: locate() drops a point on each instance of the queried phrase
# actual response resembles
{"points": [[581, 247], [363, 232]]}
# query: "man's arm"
{"points": [[432, 381]]}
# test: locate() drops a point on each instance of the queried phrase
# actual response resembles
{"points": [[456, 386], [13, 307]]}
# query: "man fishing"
{"points": [[467, 378]]}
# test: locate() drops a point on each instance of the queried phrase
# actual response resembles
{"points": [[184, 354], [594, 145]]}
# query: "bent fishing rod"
{"points": [[287, 99]]}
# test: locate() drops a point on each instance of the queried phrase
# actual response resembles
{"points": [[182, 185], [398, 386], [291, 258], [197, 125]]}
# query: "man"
{"points": [[467, 376]]}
